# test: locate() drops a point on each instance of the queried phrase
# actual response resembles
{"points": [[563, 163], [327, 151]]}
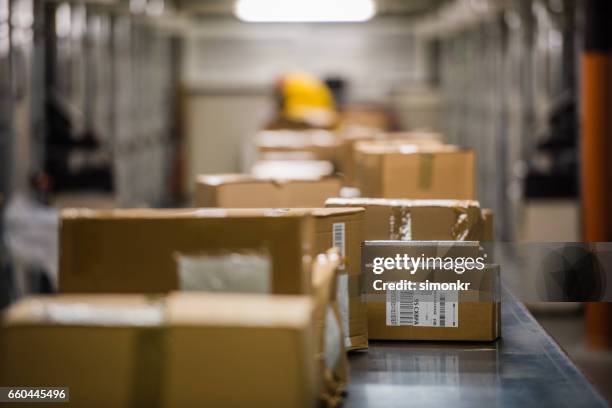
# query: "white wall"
{"points": [[375, 56]]}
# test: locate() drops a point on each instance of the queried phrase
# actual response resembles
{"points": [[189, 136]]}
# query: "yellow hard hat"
{"points": [[304, 96]]}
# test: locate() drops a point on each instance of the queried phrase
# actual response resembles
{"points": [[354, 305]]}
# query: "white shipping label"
{"points": [[338, 240], [425, 308]]}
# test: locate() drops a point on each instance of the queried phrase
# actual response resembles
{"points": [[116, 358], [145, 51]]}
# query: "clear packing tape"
{"points": [[468, 222], [235, 272]]}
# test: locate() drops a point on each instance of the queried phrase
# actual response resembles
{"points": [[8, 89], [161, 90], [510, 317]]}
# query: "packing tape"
{"points": [[425, 170], [469, 225], [226, 271], [400, 224], [149, 361]]}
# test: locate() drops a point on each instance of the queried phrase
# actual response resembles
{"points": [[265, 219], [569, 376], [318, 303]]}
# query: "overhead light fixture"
{"points": [[302, 11]]}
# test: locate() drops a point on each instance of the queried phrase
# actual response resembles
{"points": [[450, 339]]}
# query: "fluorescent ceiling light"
{"points": [[294, 11]]}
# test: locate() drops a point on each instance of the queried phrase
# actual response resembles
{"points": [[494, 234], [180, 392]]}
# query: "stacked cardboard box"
{"points": [[242, 191], [397, 170], [153, 251], [467, 313], [410, 221], [186, 350], [341, 227]]}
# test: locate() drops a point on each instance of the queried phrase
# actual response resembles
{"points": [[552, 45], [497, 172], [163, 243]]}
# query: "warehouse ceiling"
{"points": [[222, 8]]}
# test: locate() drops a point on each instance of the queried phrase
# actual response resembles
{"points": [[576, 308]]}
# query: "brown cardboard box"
{"points": [[135, 251], [342, 228], [352, 137], [244, 351], [292, 169], [415, 136], [421, 220], [472, 314], [242, 191], [415, 172], [297, 145], [188, 350], [328, 329], [372, 116]]}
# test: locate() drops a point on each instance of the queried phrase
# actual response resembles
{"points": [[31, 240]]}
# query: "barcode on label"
{"points": [[406, 308], [425, 308], [442, 309], [338, 240]]}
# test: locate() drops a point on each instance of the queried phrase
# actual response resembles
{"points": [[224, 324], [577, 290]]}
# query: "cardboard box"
{"points": [[343, 228], [353, 136], [242, 191], [292, 169], [244, 351], [420, 137], [297, 145], [188, 350], [350, 137], [415, 172], [372, 116], [421, 220], [135, 251], [331, 352], [433, 314]]}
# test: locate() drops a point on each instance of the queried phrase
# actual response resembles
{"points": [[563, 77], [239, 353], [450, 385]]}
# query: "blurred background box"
{"points": [[129, 350], [353, 136], [134, 251], [374, 116], [416, 136], [428, 172], [421, 220], [243, 191], [298, 144], [292, 169]]}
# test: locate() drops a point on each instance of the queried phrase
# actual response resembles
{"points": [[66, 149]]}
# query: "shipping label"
{"points": [[425, 308]]}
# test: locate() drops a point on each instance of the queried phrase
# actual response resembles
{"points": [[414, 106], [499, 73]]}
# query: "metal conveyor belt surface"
{"points": [[525, 368]]}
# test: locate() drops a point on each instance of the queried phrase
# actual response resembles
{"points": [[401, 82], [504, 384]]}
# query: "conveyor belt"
{"points": [[526, 368]]}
